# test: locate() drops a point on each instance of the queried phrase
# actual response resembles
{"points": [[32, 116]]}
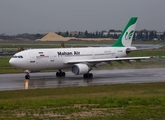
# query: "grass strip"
{"points": [[122, 101]]}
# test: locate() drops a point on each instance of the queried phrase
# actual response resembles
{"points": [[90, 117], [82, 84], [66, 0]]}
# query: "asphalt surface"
{"points": [[101, 77]]}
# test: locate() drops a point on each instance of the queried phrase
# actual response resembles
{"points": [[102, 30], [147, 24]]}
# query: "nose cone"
{"points": [[11, 62], [17, 63]]}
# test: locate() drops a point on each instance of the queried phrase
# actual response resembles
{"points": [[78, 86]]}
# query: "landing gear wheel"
{"points": [[57, 74], [60, 74], [63, 74], [27, 76], [88, 75]]}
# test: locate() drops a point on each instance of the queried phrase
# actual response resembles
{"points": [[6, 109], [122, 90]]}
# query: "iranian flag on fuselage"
{"points": [[41, 54]]}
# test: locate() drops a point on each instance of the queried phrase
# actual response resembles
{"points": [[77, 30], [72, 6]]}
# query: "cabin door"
{"points": [[51, 57], [32, 58]]}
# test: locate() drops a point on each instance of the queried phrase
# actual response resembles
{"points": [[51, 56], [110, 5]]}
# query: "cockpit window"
{"points": [[20, 56], [14, 57]]}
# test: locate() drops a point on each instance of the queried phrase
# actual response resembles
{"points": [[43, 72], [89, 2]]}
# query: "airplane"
{"points": [[80, 60]]}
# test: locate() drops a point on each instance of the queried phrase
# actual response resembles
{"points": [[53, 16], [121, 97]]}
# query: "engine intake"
{"points": [[79, 69]]}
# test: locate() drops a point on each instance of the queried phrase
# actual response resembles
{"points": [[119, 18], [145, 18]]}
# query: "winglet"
{"points": [[126, 36]]}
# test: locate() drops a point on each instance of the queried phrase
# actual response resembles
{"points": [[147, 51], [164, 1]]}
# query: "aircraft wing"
{"points": [[128, 59]]}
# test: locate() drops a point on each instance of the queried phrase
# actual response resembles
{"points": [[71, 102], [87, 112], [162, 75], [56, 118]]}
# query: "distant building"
{"points": [[118, 32], [160, 33], [104, 32], [73, 33]]}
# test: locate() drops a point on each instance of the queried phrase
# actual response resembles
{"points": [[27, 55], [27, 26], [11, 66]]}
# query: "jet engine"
{"points": [[79, 69]]}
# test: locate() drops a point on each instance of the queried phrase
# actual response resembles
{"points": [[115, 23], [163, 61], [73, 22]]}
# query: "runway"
{"points": [[101, 77]]}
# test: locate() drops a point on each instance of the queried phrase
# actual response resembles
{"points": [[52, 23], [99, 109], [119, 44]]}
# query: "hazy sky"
{"points": [[42, 16]]}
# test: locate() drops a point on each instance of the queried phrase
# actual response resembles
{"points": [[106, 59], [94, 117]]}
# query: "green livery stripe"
{"points": [[127, 36]]}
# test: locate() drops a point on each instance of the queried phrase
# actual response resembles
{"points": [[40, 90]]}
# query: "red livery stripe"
{"points": [[42, 55]]}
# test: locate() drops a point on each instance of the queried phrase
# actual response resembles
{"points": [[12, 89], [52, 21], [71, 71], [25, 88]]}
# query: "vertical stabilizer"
{"points": [[126, 36]]}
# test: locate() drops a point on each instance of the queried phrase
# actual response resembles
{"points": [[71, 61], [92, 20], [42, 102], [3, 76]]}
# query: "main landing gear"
{"points": [[88, 75], [60, 74]]}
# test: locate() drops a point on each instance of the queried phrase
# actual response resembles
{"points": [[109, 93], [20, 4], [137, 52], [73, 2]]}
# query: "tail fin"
{"points": [[126, 36]]}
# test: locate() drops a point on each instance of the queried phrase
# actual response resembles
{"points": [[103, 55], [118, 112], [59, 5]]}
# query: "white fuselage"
{"points": [[41, 59]]}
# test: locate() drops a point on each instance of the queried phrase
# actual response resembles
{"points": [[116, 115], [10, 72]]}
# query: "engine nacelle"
{"points": [[79, 69]]}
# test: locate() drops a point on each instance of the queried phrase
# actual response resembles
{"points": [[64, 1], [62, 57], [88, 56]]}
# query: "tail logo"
{"points": [[129, 36]]}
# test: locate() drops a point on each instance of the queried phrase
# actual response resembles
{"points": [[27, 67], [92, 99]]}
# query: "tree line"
{"points": [[139, 35], [24, 36]]}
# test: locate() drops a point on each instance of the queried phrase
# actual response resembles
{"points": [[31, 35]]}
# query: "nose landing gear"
{"points": [[27, 76]]}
